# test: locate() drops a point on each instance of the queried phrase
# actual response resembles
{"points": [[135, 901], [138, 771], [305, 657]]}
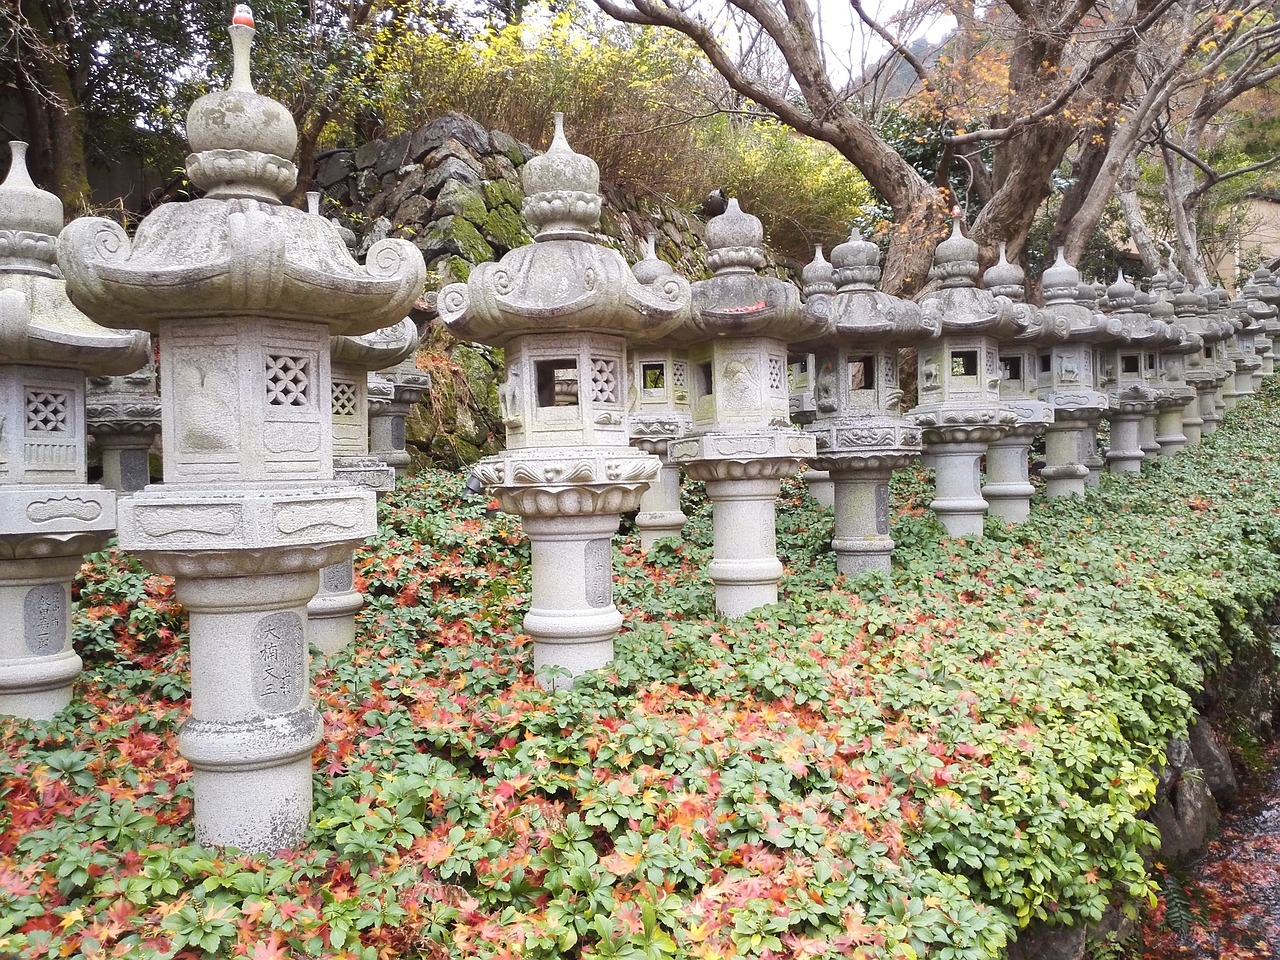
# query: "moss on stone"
{"points": [[506, 228], [454, 235], [460, 200], [499, 193]]}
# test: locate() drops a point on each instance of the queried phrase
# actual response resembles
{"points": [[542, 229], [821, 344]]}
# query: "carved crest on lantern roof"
{"points": [[857, 313], [1060, 284], [565, 281], [38, 323], [377, 350], [237, 251], [738, 302]]}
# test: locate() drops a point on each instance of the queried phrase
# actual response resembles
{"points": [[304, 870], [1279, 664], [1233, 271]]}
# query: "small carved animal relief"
{"points": [[509, 399], [209, 424], [824, 391], [929, 373], [1068, 369]]}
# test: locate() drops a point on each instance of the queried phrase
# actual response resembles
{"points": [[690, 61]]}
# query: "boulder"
{"points": [[451, 126], [1211, 757], [1040, 942], [393, 155], [511, 148], [457, 199], [451, 168]]}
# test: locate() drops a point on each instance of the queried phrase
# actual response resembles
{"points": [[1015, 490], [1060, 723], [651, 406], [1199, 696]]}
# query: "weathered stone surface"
{"points": [[393, 155], [505, 228], [1211, 757], [457, 199], [410, 185], [1038, 942], [366, 155], [335, 168], [511, 148], [503, 192], [1187, 818], [454, 235], [451, 126], [451, 168], [452, 150], [413, 211]]}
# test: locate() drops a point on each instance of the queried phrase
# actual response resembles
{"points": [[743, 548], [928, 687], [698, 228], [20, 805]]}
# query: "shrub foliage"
{"points": [[907, 766]]}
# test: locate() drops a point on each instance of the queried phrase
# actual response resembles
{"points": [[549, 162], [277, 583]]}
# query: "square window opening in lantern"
{"points": [[1011, 369], [1130, 363], [653, 380], [557, 382], [964, 365]]}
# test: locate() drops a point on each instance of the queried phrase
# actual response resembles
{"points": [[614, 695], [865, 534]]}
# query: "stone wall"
{"points": [[453, 189]]}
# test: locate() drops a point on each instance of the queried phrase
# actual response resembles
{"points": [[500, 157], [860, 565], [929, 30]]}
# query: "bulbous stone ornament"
{"points": [[245, 293], [49, 516], [564, 308]]}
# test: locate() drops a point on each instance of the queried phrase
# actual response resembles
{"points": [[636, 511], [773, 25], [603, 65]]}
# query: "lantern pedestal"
{"points": [[1008, 488], [1127, 412], [245, 565], [569, 501], [660, 515], [1064, 473], [743, 473], [861, 480]]}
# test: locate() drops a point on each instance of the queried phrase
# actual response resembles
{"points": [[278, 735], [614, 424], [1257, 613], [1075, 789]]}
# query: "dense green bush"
{"points": [[894, 767]]}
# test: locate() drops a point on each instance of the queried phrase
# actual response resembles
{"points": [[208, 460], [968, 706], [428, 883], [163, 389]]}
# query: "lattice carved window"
{"points": [[344, 399], [604, 381], [48, 411], [288, 381], [777, 375]]}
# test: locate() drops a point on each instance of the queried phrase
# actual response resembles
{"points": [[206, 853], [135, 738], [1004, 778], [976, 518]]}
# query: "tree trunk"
{"points": [[1179, 184], [59, 116], [1127, 197]]}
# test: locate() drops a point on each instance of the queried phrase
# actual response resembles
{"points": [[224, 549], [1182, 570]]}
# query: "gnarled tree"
{"points": [[1019, 85]]}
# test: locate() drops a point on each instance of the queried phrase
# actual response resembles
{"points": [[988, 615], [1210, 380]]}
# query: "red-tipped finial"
{"points": [[243, 15]]}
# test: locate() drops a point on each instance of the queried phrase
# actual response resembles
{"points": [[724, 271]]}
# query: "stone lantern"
{"points": [[1259, 315], [1268, 292], [816, 280], [1130, 394], [960, 411], [862, 436], [564, 308], [1177, 421], [245, 293], [49, 516], [1243, 351], [123, 417], [1065, 380], [332, 611], [659, 412], [392, 394], [1008, 488], [1203, 373], [742, 442]]}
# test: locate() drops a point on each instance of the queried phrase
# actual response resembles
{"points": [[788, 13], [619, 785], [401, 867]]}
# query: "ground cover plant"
{"points": [[892, 767]]}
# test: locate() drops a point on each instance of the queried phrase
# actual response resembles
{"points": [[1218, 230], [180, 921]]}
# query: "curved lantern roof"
{"points": [[565, 281], [238, 251], [738, 302], [38, 322], [959, 306], [858, 313]]}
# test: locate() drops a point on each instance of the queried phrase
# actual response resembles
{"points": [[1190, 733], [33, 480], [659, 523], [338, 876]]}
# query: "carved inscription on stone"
{"points": [[45, 619], [599, 563], [882, 509], [278, 662], [337, 577]]}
